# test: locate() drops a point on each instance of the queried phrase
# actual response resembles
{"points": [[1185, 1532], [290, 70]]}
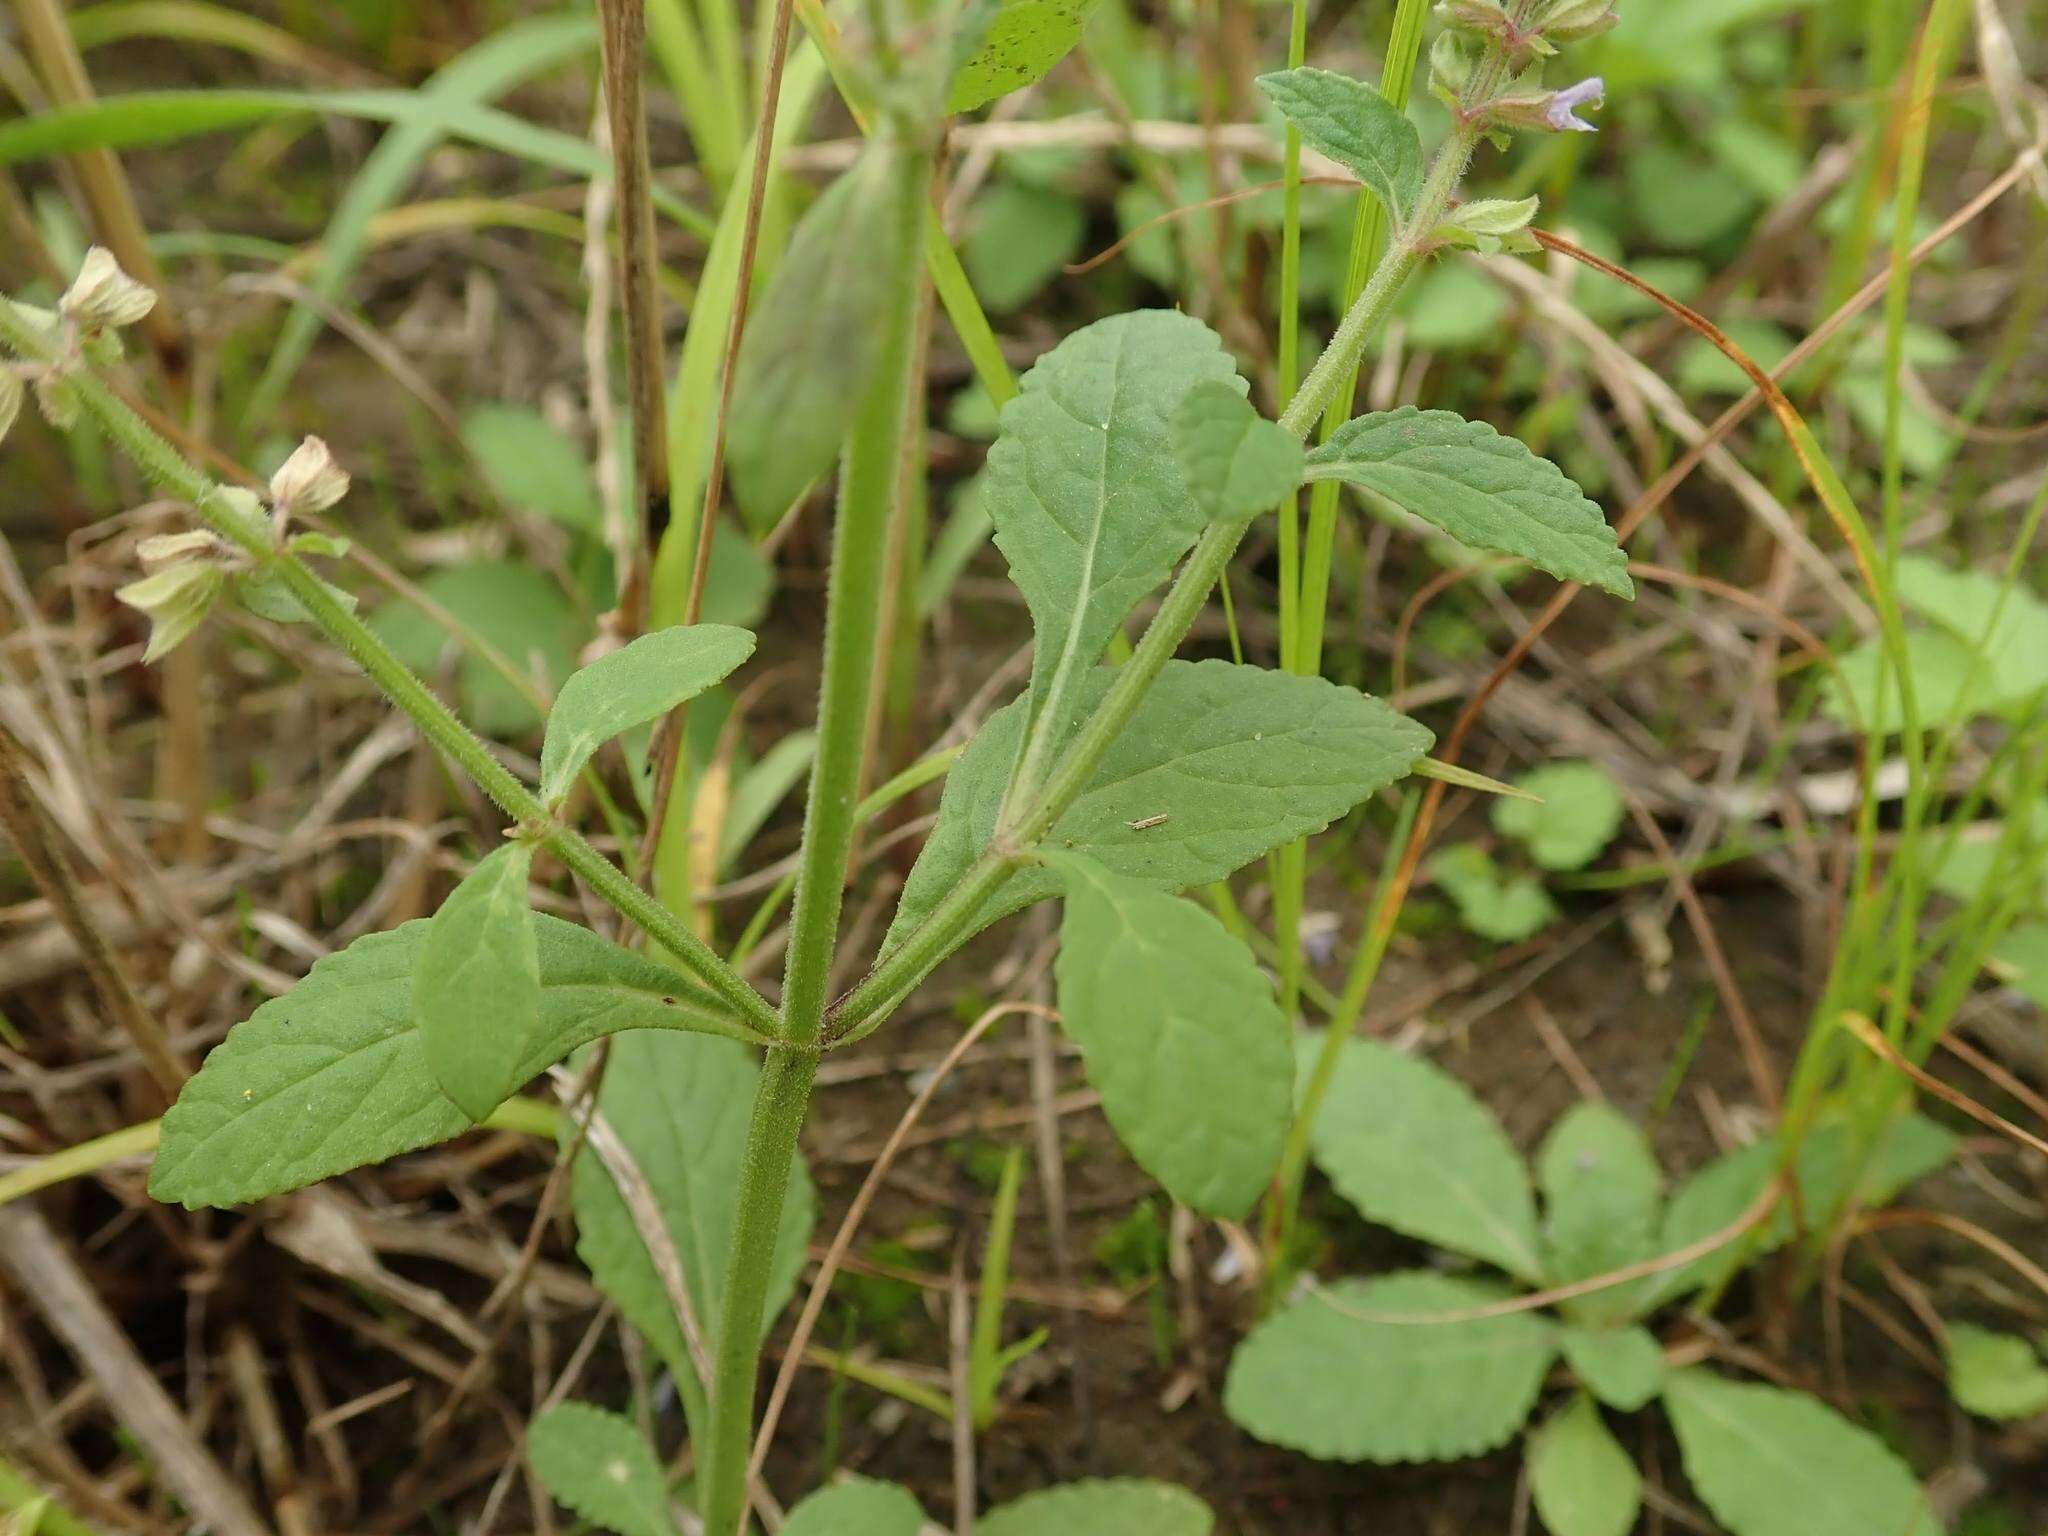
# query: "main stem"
{"points": [[163, 464], [869, 478]]}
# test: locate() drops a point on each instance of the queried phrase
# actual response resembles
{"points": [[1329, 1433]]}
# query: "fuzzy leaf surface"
{"points": [[334, 1075], [1319, 1378], [600, 1466], [1239, 760], [1584, 1483], [1180, 1031], [1236, 463], [679, 1103], [1357, 127], [1413, 1149], [633, 685], [1485, 490], [476, 995], [1118, 1506], [1768, 1462], [858, 1506]]}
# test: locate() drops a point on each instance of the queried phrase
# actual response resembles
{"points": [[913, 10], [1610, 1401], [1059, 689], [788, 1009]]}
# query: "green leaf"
{"points": [[1239, 760], [1940, 666], [1583, 1481], [1180, 1032], [1504, 910], [1453, 308], [1483, 489], [811, 343], [1020, 238], [1412, 1148], [1236, 463], [858, 1506], [1998, 1375], [680, 1103], [1574, 817], [1319, 1378], [333, 1074], [1768, 1462], [533, 465], [1357, 127], [1089, 507], [1602, 1190], [1024, 41], [1962, 602], [476, 995], [629, 687], [1623, 1367], [510, 607], [2024, 952], [1122, 1506], [598, 1465]]}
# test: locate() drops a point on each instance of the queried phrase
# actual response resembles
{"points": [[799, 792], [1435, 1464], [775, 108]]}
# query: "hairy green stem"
{"points": [[869, 481], [167, 468]]}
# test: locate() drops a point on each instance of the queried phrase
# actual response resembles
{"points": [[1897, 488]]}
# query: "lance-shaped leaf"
{"points": [[1236, 462], [600, 1465], [1769, 1462], [679, 1104], [1483, 489], [1413, 1149], [811, 342], [1237, 760], [1584, 1483], [1181, 1034], [1118, 1506], [859, 1506], [1024, 40], [476, 997], [1088, 503], [1323, 1377], [1357, 127], [333, 1074], [631, 686]]}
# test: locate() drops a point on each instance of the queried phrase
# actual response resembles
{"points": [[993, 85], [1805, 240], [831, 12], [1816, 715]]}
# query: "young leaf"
{"points": [[1768, 1462], [680, 1106], [1583, 1482], [1089, 507], [810, 342], [1122, 1506], [532, 465], [1180, 1032], [333, 1075], [629, 687], [1236, 463], [1601, 1192], [1998, 1375], [859, 1506], [1413, 1149], [1319, 1378], [1239, 760], [1623, 1367], [1357, 127], [1483, 489], [1576, 812], [1023, 42], [476, 996], [598, 1465], [1502, 909]]}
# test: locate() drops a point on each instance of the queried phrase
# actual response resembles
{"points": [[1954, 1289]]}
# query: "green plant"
{"points": [[1564, 818], [1424, 1364], [1130, 450]]}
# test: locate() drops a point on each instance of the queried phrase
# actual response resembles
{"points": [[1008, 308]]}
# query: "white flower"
{"points": [[177, 599], [104, 295], [308, 481], [1559, 110]]}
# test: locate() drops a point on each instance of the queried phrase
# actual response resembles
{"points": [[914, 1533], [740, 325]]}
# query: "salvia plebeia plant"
{"points": [[1131, 459], [1436, 1363]]}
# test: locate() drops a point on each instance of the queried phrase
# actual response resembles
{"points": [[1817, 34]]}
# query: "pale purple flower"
{"points": [[1559, 110]]}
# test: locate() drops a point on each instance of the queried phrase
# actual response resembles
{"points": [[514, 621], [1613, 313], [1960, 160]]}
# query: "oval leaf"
{"points": [[1999, 1375], [1602, 1190], [1236, 462], [859, 1506], [1357, 127], [1623, 1367], [1180, 1032], [476, 997], [1583, 1481], [1483, 489], [598, 1465], [1321, 1378], [632, 686], [333, 1074], [1769, 1462], [1121, 1506]]}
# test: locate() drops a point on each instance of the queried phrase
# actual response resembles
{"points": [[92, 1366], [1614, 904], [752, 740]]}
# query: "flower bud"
{"points": [[177, 600], [10, 399], [103, 295], [308, 481]]}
